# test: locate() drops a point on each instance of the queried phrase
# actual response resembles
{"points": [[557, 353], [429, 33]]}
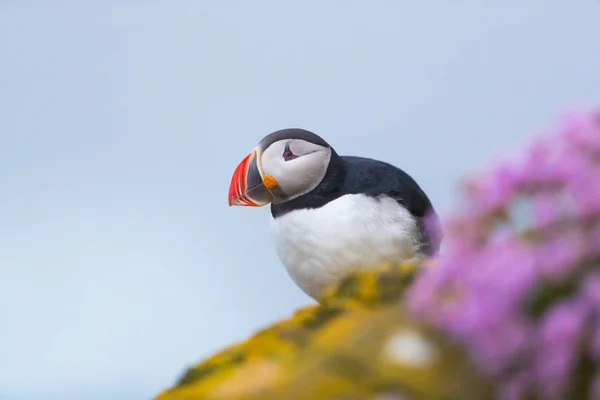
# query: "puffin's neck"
{"points": [[326, 191]]}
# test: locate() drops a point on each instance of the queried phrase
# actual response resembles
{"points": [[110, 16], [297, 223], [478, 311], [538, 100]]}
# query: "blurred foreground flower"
{"points": [[520, 283]]}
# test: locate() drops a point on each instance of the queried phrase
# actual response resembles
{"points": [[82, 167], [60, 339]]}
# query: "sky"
{"points": [[121, 123]]}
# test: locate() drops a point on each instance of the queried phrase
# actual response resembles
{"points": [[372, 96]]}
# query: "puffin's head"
{"points": [[284, 165]]}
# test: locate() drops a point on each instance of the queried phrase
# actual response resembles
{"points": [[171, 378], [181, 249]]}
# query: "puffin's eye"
{"points": [[288, 154]]}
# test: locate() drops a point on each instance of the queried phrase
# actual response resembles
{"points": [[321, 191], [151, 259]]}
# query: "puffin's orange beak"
{"points": [[247, 187]]}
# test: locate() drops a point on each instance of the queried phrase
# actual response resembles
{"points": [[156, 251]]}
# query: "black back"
{"points": [[357, 175]]}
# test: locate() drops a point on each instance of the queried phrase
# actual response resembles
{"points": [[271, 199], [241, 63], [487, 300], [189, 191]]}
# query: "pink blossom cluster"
{"points": [[519, 283]]}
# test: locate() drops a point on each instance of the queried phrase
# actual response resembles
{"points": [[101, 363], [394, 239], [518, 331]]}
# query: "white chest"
{"points": [[320, 246]]}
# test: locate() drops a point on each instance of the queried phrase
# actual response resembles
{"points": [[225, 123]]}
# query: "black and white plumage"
{"points": [[333, 214]]}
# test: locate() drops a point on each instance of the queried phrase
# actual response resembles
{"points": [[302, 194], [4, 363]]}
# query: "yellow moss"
{"points": [[348, 358], [350, 346]]}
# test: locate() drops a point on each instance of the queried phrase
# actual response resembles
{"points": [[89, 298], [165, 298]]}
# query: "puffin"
{"points": [[333, 215]]}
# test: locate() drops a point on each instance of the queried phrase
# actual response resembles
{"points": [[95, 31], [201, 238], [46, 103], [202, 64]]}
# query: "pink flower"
{"points": [[520, 283]]}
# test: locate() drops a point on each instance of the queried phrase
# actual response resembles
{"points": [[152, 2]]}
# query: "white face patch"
{"points": [[299, 175]]}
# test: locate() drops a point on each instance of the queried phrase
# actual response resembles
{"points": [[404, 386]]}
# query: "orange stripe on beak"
{"points": [[238, 186]]}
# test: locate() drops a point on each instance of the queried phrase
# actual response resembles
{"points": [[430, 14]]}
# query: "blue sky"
{"points": [[122, 121]]}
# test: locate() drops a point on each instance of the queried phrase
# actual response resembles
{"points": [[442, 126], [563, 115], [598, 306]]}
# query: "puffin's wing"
{"points": [[428, 222], [376, 178]]}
